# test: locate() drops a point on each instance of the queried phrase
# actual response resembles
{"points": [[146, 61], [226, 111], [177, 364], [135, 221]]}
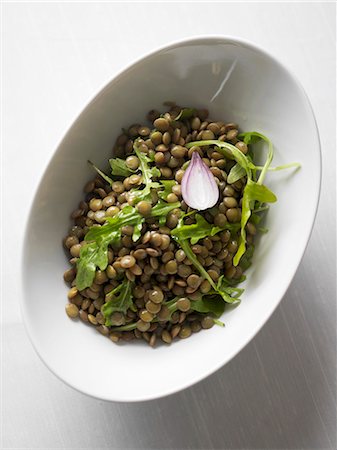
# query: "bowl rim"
{"points": [[195, 39]]}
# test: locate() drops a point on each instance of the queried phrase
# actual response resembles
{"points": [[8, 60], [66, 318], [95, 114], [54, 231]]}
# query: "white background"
{"points": [[280, 391]]}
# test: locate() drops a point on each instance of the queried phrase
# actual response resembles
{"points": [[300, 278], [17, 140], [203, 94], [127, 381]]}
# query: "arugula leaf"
{"points": [[236, 173], [224, 291], [147, 173], [229, 151], [226, 282], [91, 256], [95, 254], [127, 216], [229, 294], [167, 184], [252, 192], [209, 304], [282, 167], [137, 231], [119, 299], [192, 257], [255, 218], [230, 288], [245, 161], [119, 168], [185, 113], [128, 327], [162, 208], [105, 177], [260, 208], [200, 230], [252, 137], [218, 322]]}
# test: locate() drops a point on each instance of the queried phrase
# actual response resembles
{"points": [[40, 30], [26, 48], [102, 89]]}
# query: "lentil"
{"points": [[185, 332], [146, 316], [128, 261], [72, 310], [166, 337], [233, 214], [207, 322], [161, 124], [183, 304]]}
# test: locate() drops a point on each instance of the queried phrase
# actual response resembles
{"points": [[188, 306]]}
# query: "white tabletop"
{"points": [[280, 391]]}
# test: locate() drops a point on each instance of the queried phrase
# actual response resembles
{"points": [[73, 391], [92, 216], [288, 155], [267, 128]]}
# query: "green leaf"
{"points": [[162, 208], [229, 151], [252, 192], [128, 327], [252, 137], [293, 165], [230, 288], [137, 230], [185, 113], [236, 173], [118, 300], [119, 168], [224, 291], [147, 171], [167, 185], [209, 304], [98, 233], [245, 161], [260, 192], [258, 212], [200, 229], [218, 322], [90, 258], [102, 174], [92, 255], [147, 174], [184, 244], [95, 254], [228, 294], [232, 152], [226, 282], [143, 194], [127, 216], [255, 219], [260, 208]]}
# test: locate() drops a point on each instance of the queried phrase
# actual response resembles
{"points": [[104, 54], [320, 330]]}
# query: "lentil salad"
{"points": [[144, 264]]}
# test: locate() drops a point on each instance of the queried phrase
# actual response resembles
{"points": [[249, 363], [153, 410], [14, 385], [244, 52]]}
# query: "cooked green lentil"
{"points": [[160, 282]]}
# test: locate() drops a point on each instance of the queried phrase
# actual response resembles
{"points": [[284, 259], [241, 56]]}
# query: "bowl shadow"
{"points": [[265, 398]]}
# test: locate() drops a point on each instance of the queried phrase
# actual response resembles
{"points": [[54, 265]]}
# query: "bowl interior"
{"points": [[236, 82]]}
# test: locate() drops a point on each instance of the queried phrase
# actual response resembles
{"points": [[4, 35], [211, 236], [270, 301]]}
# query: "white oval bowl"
{"points": [[237, 82]]}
